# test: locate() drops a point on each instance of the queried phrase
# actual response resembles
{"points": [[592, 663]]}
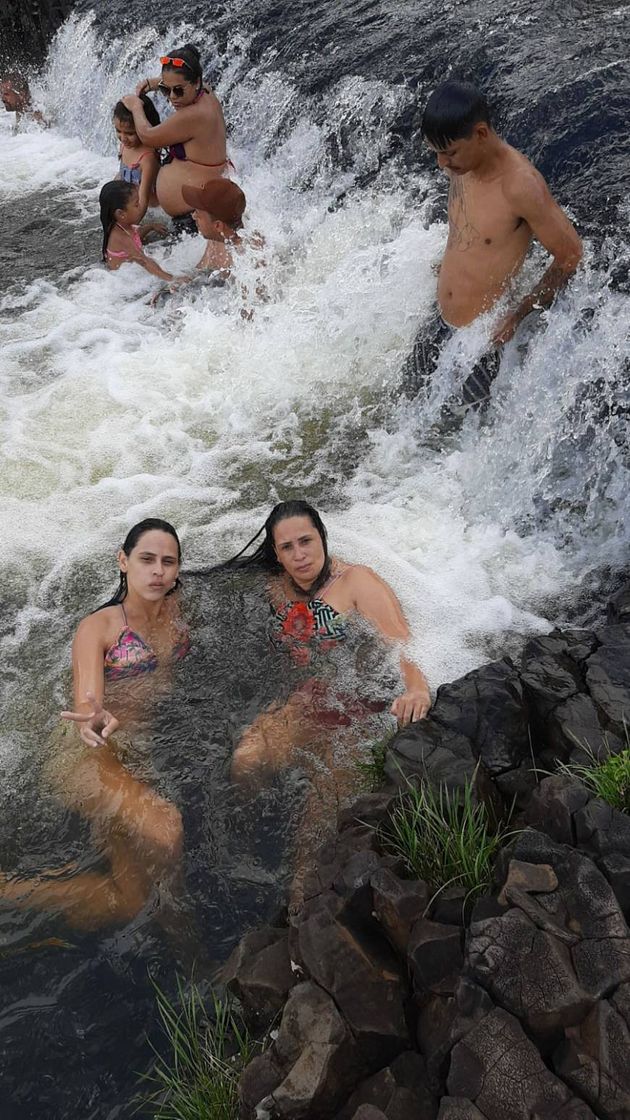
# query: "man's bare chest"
{"points": [[479, 216]]}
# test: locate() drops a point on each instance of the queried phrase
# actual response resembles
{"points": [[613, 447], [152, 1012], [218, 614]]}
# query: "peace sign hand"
{"points": [[97, 725]]}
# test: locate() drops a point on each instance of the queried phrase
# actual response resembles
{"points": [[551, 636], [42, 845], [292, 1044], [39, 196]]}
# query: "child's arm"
{"points": [[149, 167], [152, 266]]}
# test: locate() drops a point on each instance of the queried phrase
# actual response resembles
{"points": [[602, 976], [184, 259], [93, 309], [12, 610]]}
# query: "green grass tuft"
{"points": [[372, 773], [199, 1079], [609, 779], [444, 838]]}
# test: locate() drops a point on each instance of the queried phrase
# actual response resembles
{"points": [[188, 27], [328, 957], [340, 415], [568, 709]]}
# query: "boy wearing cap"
{"points": [[218, 214]]}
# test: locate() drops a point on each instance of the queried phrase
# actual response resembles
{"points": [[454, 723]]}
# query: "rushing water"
{"points": [[112, 411]]}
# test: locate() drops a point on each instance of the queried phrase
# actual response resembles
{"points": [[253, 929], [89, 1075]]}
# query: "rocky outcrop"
{"points": [[26, 29], [406, 1004]]}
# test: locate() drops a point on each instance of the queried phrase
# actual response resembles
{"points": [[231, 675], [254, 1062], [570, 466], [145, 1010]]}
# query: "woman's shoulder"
{"points": [[100, 624]]}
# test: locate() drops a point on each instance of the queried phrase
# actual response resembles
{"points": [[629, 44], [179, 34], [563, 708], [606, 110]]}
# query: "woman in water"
{"points": [[122, 658], [312, 597], [194, 134]]}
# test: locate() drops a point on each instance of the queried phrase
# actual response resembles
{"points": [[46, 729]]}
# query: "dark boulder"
{"points": [[355, 965], [498, 1069], [602, 829], [399, 1091], [398, 903], [616, 868], [259, 971], [553, 805], [594, 1061], [435, 955]]}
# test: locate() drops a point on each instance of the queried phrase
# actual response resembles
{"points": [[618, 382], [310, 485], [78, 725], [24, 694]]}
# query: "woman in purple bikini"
{"points": [[194, 134], [122, 656]]}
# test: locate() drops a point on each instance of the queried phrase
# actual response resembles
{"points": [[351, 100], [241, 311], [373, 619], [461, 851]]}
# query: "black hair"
{"points": [[265, 555], [114, 196], [122, 113], [451, 113], [191, 70], [129, 543]]}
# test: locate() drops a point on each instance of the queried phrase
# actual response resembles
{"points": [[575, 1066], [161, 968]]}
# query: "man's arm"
{"points": [[531, 199]]}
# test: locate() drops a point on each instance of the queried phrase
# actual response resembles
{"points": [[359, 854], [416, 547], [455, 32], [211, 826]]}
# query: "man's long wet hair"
{"points": [[123, 114], [128, 545], [451, 113], [191, 70], [264, 556], [114, 196]]}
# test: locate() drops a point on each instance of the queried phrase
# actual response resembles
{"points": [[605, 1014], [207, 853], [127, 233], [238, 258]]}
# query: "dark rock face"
{"points": [[25, 29], [516, 1008], [498, 1070], [259, 971]]}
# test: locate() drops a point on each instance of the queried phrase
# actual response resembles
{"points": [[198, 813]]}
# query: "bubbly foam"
{"points": [[113, 411]]}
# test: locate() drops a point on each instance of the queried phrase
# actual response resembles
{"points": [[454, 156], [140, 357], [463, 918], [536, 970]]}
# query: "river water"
{"points": [[112, 411]]}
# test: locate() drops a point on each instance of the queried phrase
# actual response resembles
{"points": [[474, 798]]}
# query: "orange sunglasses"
{"points": [[166, 61]]}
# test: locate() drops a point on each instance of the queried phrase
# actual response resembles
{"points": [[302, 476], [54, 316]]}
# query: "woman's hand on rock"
{"points": [[412, 705]]}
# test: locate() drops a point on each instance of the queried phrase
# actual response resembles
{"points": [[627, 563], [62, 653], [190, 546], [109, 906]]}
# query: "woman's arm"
{"points": [[176, 130], [88, 655], [375, 600]]}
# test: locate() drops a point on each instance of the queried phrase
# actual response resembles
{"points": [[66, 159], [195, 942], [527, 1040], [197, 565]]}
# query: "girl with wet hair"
{"points": [[121, 211], [122, 659], [194, 134], [139, 163]]}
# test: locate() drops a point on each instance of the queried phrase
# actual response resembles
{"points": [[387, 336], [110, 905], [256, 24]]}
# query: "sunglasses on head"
{"points": [[171, 91], [168, 61]]}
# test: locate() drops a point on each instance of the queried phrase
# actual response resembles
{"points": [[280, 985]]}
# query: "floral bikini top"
{"points": [[130, 656], [296, 624]]}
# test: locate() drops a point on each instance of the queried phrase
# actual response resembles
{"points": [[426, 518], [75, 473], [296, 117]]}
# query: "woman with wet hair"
{"points": [[313, 598], [194, 134], [122, 658]]}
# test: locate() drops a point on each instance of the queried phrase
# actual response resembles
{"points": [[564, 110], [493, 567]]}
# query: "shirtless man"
{"points": [[16, 98], [497, 204]]}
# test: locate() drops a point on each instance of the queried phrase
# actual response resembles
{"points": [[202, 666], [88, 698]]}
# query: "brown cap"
{"points": [[221, 198]]}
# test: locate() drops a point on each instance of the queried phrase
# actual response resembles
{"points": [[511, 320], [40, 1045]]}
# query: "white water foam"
{"points": [[112, 411]]}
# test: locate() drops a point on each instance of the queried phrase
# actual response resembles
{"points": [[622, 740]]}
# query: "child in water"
{"points": [[139, 164], [218, 214], [122, 237]]}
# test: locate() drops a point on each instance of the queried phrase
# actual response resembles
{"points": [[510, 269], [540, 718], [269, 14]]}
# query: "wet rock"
{"points": [[594, 1061], [616, 868], [259, 971], [428, 749], [436, 1017], [574, 724], [456, 1108], [451, 906], [257, 1081], [551, 956], [500, 1071], [366, 812], [435, 955], [317, 1055], [399, 1092], [602, 829], [352, 881], [618, 610], [608, 677], [334, 854], [398, 903], [355, 965], [554, 804], [368, 1112], [549, 673], [533, 878]]}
